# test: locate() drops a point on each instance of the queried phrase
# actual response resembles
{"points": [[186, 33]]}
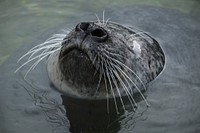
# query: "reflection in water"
{"points": [[79, 115], [54, 111], [89, 116], [92, 116]]}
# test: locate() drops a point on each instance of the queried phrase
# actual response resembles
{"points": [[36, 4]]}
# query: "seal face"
{"points": [[98, 60]]}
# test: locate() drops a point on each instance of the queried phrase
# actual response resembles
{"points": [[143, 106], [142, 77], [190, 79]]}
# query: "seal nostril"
{"points": [[99, 33], [82, 26]]}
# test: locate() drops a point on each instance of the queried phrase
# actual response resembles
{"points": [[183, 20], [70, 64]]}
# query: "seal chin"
{"points": [[77, 69], [74, 74]]}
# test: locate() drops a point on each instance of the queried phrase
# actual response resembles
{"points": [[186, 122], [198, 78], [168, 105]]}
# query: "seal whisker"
{"points": [[55, 37], [133, 84], [127, 27], [26, 63], [66, 31], [97, 64], [115, 54], [52, 38], [41, 46], [125, 66], [130, 97], [116, 69], [39, 60], [105, 81], [94, 59], [103, 17], [100, 75], [111, 26], [45, 49], [98, 18], [107, 21], [128, 93], [142, 38], [111, 87], [99, 82], [120, 63], [70, 28], [35, 64], [43, 52], [52, 41], [139, 33], [116, 85], [47, 53]]}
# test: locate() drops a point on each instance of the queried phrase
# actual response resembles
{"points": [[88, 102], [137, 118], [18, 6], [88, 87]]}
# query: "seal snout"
{"points": [[95, 32]]}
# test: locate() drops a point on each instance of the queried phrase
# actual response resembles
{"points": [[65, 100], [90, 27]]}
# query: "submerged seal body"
{"points": [[98, 60]]}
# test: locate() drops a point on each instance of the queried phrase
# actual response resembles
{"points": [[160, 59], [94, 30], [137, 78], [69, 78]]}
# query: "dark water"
{"points": [[32, 105]]}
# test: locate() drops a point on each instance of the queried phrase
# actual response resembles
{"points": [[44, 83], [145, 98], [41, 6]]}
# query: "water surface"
{"points": [[33, 105]]}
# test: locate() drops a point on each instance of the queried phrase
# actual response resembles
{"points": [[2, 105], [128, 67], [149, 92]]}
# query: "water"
{"points": [[34, 105], [23, 20]]}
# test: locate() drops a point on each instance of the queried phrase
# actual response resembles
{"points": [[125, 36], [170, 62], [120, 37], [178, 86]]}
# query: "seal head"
{"points": [[99, 60]]}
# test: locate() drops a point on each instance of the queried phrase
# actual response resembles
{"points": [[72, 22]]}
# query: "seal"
{"points": [[100, 60]]}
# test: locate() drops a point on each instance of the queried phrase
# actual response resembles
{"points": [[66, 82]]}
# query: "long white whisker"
{"points": [[66, 31], [100, 75], [43, 52], [103, 16], [123, 85], [107, 21], [39, 60], [105, 81], [114, 27], [42, 46], [133, 84], [120, 63], [124, 77], [37, 50], [98, 18], [115, 83], [111, 87], [34, 65], [55, 36], [94, 59], [45, 49], [123, 65], [115, 54], [34, 59], [97, 68], [140, 33], [100, 78], [131, 29], [130, 97]]}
